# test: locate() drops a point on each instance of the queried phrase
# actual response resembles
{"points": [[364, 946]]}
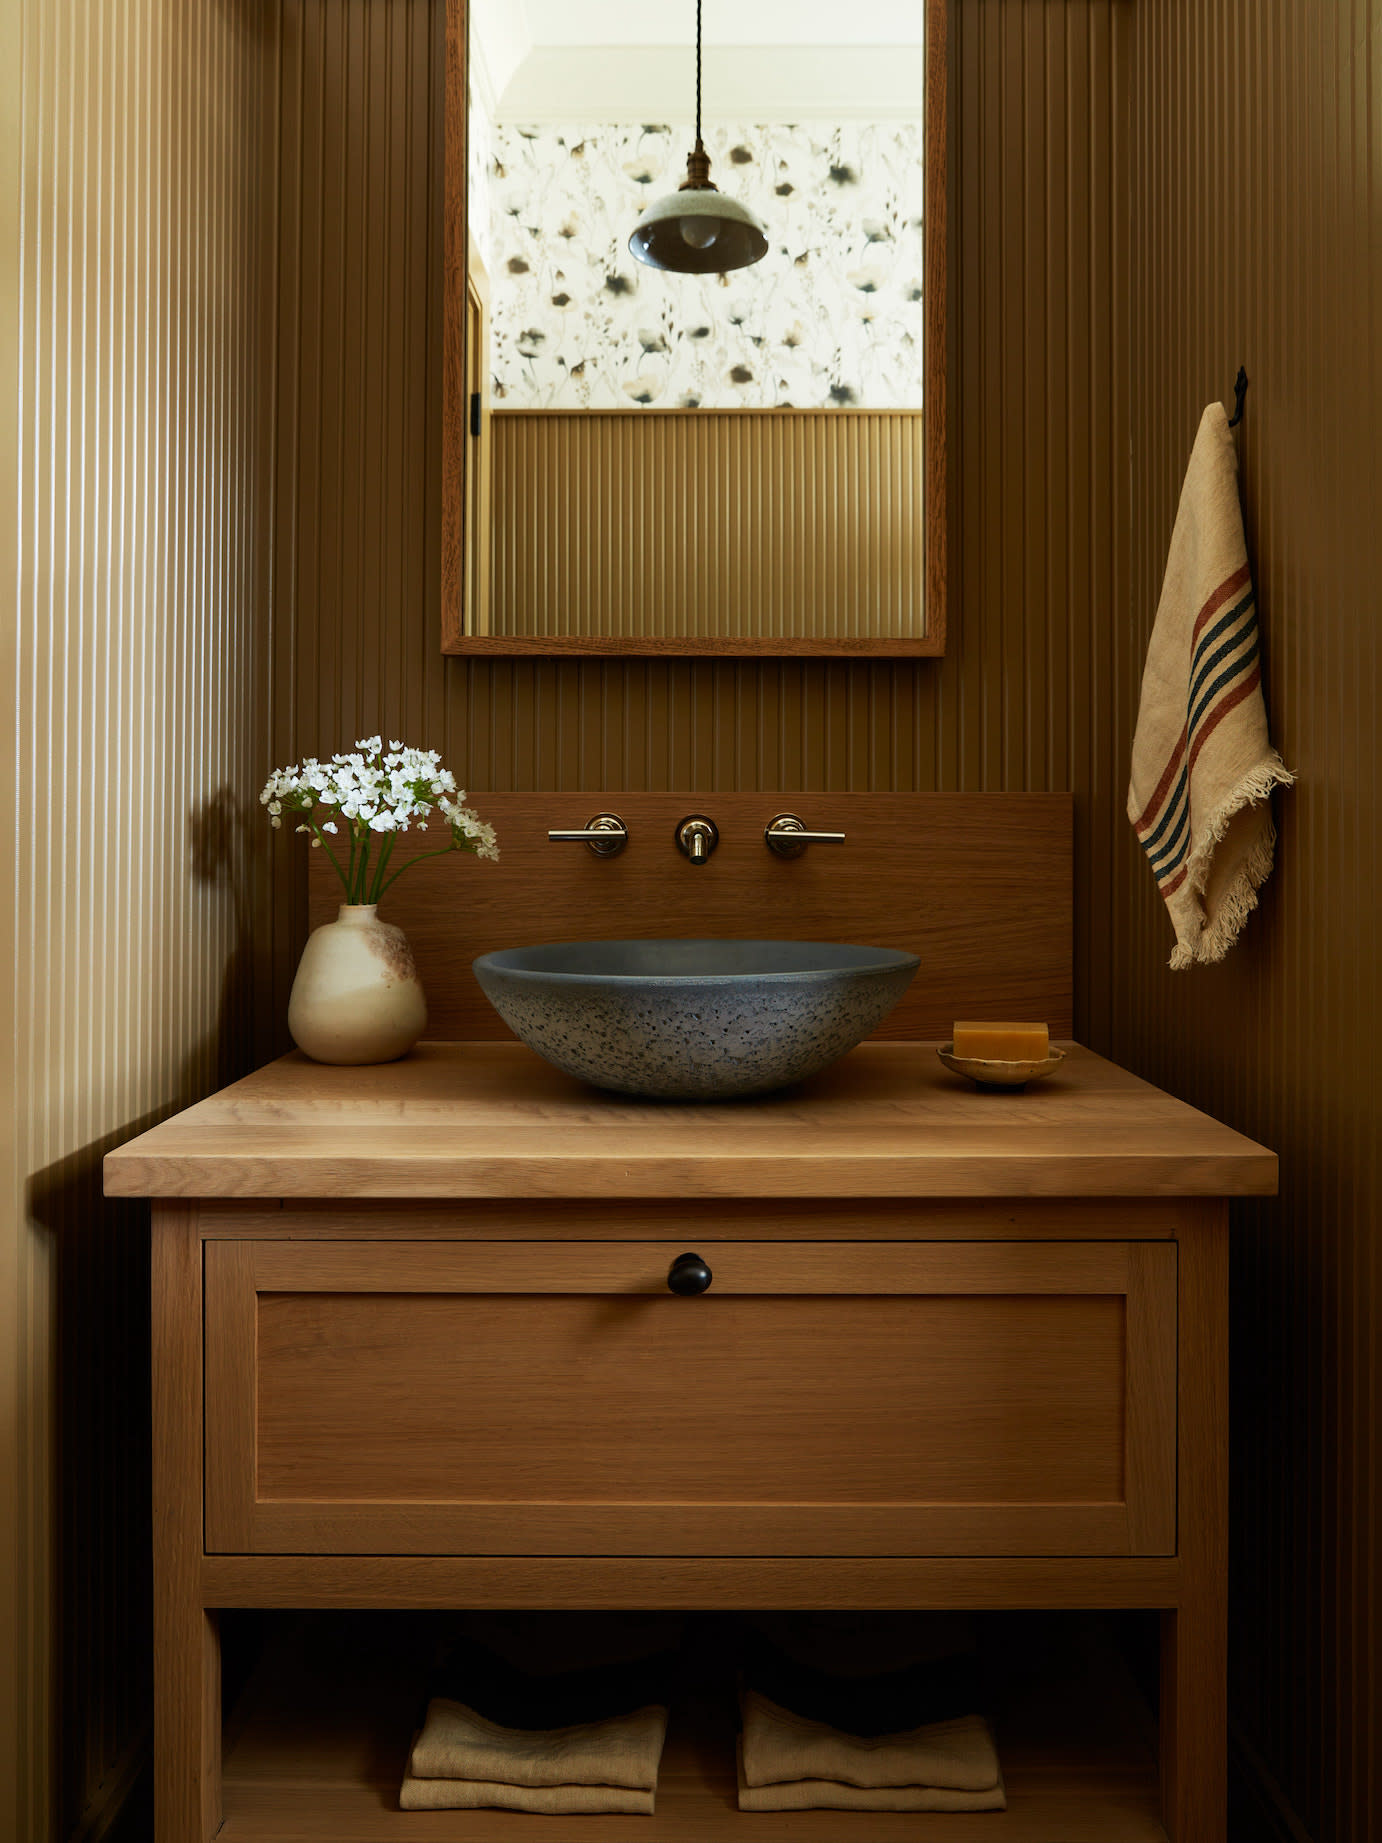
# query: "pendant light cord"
{"points": [[698, 70]]}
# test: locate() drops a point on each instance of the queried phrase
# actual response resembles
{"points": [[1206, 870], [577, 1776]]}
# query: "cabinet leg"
{"points": [[1194, 1728], [1194, 1638], [187, 1727], [187, 1639]]}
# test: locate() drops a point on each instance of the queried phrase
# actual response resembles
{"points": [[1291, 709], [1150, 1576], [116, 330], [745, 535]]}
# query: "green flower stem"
{"points": [[385, 854], [419, 859], [350, 877], [321, 840], [361, 862]]}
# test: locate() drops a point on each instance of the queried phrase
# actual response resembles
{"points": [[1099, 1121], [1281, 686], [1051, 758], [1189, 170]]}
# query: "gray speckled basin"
{"points": [[693, 1020]]}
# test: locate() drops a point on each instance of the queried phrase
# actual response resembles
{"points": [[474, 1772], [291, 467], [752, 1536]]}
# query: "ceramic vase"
{"points": [[357, 996]]}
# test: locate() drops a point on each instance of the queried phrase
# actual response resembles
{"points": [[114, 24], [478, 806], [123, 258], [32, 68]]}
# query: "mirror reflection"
{"points": [[659, 453]]}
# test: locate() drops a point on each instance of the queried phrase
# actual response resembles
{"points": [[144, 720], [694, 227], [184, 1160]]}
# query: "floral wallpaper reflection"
{"points": [[831, 316]]}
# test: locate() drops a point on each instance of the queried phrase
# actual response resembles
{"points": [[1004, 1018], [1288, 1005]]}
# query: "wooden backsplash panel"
{"points": [[979, 885]]}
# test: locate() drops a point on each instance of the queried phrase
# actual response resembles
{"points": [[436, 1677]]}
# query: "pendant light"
{"points": [[697, 230]]}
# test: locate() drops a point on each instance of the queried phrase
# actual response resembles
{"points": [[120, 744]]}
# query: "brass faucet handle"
{"points": [[788, 837], [697, 837], [606, 834]]}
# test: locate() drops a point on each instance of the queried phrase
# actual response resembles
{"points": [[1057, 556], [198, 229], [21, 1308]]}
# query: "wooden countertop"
{"points": [[493, 1120]]}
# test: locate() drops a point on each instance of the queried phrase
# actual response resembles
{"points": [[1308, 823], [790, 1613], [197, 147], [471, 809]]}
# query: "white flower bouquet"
{"points": [[364, 799]]}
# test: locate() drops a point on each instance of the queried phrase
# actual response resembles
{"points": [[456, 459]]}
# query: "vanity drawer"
{"points": [[554, 1398]]}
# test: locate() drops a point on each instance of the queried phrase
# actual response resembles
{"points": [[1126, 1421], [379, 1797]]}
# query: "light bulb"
{"points": [[699, 232]]}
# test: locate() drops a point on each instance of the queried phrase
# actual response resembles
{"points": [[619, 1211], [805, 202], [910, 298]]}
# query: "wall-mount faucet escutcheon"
{"points": [[697, 837]]}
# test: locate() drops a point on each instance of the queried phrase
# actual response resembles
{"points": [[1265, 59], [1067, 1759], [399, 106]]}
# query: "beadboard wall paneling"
{"points": [[717, 523], [1016, 704], [16, 1669], [1257, 240], [136, 685]]}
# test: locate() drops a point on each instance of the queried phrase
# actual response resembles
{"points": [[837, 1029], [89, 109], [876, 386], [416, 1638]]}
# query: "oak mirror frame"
{"points": [[465, 558]]}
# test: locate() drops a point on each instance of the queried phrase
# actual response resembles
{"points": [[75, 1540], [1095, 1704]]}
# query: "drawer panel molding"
{"points": [[554, 1398]]}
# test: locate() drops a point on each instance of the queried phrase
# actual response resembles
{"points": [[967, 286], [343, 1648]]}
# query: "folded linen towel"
{"points": [[420, 1794], [1202, 766], [621, 1751], [779, 1747], [581, 1740], [834, 1795]]}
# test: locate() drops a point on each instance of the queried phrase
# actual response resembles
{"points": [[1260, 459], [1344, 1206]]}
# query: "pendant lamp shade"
{"points": [[697, 230]]}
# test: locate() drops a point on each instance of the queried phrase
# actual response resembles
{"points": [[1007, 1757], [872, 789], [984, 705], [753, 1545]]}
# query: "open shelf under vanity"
{"points": [[316, 1745]]}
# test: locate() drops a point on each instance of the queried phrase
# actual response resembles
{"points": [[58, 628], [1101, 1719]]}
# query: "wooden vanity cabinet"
{"points": [[972, 1404], [414, 1349]]}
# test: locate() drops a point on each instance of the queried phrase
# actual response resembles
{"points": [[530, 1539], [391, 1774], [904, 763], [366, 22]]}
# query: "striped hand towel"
{"points": [[1202, 767]]}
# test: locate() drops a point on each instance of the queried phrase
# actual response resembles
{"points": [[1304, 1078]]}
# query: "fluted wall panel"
{"points": [[714, 523], [135, 684], [1018, 700], [1257, 240]]}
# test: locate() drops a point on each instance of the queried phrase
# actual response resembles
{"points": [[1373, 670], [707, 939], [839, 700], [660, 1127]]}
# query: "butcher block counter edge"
{"points": [[492, 1120]]}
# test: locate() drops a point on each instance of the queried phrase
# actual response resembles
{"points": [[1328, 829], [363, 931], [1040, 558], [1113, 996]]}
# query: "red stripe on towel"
{"points": [[1168, 774], [1169, 889], [1226, 704], [1225, 592]]}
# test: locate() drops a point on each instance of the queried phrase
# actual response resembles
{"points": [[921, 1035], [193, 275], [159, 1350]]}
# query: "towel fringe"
{"points": [[1240, 898]]}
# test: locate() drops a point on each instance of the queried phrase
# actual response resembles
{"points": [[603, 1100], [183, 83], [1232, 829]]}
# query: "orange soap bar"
{"points": [[1003, 1042]]}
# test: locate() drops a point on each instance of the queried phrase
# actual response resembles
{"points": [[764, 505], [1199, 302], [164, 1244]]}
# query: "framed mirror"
{"points": [[690, 459]]}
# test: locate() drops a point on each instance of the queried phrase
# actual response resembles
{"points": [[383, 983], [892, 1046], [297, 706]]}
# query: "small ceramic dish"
{"points": [[999, 1075]]}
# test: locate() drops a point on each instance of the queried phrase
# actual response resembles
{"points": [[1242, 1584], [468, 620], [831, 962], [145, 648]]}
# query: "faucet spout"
{"points": [[697, 837]]}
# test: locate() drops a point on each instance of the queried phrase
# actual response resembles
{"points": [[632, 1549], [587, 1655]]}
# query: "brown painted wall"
{"points": [[1257, 240], [1015, 704]]}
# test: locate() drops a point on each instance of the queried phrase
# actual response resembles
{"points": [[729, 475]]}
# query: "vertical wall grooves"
{"points": [[1256, 240], [136, 684]]}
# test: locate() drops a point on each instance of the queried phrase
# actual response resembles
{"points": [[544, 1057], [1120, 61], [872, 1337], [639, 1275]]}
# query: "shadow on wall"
{"points": [[226, 845], [99, 1364]]}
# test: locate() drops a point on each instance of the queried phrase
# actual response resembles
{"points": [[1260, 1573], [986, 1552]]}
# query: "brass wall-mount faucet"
{"points": [[697, 837]]}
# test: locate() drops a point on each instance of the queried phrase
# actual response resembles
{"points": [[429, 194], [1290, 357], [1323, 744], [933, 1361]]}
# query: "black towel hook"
{"points": [[1240, 390]]}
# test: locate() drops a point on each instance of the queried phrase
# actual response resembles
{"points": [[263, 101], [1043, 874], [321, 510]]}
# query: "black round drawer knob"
{"points": [[689, 1275]]}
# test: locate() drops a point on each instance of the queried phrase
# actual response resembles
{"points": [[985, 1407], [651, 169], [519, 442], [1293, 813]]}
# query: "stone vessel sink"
{"points": [[693, 1020]]}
